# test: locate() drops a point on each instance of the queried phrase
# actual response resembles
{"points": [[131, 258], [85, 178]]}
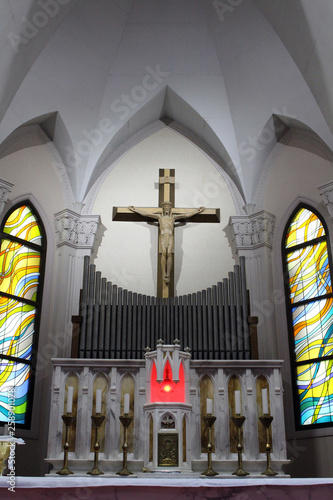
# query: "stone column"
{"points": [[252, 236], [5, 189], [75, 238], [326, 192]]}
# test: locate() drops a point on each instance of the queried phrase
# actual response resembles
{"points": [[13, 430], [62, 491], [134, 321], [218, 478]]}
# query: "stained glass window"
{"points": [[22, 253], [310, 314]]}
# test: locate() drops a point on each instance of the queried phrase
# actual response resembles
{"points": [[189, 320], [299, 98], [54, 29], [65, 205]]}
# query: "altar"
{"points": [[167, 398], [167, 384], [78, 488]]}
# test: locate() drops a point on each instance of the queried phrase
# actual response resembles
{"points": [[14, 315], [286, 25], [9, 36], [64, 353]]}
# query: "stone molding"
{"points": [[253, 231], [326, 192], [5, 189], [75, 230]]}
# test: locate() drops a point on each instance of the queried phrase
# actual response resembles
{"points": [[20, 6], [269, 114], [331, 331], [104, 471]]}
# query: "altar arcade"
{"points": [[167, 395], [166, 385]]}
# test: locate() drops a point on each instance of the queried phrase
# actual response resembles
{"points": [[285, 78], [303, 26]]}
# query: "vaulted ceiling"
{"points": [[235, 74]]}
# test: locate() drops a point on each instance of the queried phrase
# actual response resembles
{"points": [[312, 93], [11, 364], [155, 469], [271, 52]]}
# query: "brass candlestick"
{"points": [[209, 422], [68, 420], [238, 420], [126, 421], [4, 454], [97, 419], [266, 421]]}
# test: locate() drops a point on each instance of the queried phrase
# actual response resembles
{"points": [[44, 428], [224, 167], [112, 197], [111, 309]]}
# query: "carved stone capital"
{"points": [[326, 192], [253, 231], [5, 189], [78, 231]]}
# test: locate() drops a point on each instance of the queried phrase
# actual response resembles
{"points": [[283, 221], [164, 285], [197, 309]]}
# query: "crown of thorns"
{"points": [[167, 204]]}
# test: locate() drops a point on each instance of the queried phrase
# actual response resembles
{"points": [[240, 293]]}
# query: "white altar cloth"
{"points": [[110, 488]]}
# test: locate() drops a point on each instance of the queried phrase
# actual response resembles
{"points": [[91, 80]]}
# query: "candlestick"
{"points": [[209, 406], [68, 421], [126, 403], [97, 420], [266, 421], [264, 401], [4, 454], [209, 422], [237, 403], [126, 421], [98, 400], [238, 421], [70, 391]]}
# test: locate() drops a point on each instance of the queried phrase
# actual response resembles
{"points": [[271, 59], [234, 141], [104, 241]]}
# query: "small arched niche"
{"points": [[262, 383], [127, 387], [206, 392], [233, 386], [71, 399], [151, 439], [184, 438], [100, 384]]}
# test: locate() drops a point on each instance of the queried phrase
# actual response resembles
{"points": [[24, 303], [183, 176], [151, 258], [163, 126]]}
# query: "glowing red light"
{"points": [[168, 391], [167, 384]]}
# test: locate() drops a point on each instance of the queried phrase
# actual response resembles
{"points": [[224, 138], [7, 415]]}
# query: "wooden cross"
{"points": [[166, 196]]}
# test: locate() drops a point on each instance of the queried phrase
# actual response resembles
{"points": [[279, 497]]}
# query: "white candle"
{"points": [[264, 401], [237, 403], [209, 406], [126, 403], [99, 401], [70, 399]]}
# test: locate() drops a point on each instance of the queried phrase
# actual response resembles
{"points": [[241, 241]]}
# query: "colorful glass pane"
{"points": [[315, 391], [309, 272], [19, 270], [313, 329], [16, 328], [23, 224], [14, 385], [304, 227], [310, 283], [19, 279]]}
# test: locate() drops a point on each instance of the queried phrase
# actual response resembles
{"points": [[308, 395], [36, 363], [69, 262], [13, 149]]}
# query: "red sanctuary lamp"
{"points": [[168, 391], [167, 383]]}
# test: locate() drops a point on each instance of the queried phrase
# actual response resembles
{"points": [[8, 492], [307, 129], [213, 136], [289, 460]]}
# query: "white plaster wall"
{"points": [[31, 171], [128, 252], [296, 173], [295, 177]]}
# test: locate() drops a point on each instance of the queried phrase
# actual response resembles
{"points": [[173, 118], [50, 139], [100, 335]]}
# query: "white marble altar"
{"points": [[178, 412]]}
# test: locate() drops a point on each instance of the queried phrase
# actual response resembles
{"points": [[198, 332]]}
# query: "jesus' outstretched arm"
{"points": [[187, 215], [143, 213]]}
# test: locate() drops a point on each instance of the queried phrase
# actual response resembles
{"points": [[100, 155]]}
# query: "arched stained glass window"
{"points": [[22, 256], [310, 316]]}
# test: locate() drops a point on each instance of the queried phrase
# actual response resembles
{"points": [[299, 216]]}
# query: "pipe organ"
{"points": [[115, 323]]}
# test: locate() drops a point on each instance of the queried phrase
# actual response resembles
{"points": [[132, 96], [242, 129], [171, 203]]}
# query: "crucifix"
{"points": [[166, 216]]}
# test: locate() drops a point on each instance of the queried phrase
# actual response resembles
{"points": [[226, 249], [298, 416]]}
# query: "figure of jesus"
{"points": [[166, 221]]}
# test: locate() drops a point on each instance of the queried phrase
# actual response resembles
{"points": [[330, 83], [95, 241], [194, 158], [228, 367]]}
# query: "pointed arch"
{"points": [[289, 133], [41, 133], [309, 300], [166, 109], [22, 264]]}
